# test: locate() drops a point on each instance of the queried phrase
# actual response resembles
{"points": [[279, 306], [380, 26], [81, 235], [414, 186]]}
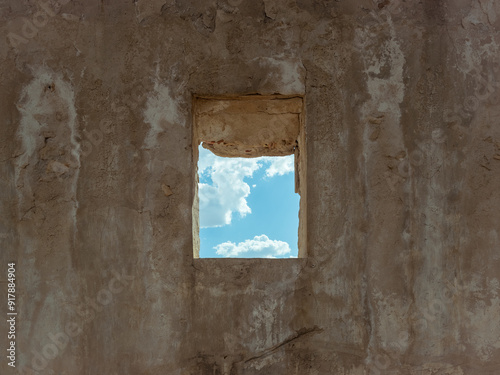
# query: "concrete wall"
{"points": [[402, 104]]}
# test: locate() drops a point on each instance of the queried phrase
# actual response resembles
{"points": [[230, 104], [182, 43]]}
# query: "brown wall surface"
{"points": [[402, 102]]}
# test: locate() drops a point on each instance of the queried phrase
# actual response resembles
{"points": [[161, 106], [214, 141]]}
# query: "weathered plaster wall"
{"points": [[402, 104]]}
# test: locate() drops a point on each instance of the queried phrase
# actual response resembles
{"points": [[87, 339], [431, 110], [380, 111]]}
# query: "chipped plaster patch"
{"points": [[472, 54], [388, 92], [491, 9], [161, 111], [263, 317], [34, 103], [287, 75], [392, 327], [384, 81], [46, 104], [484, 326]]}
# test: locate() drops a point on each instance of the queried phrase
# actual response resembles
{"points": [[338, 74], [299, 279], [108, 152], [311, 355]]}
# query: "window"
{"points": [[242, 135]]}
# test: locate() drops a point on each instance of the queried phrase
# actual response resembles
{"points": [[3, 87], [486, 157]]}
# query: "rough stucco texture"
{"points": [[248, 126], [402, 111]]}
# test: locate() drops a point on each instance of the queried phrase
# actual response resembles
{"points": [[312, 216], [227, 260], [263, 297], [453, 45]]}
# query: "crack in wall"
{"points": [[298, 335]]}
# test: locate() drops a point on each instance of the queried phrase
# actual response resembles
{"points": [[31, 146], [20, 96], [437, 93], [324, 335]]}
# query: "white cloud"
{"points": [[228, 191], [260, 246], [279, 165]]}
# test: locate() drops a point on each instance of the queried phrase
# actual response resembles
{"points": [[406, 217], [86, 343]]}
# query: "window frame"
{"points": [[300, 162]]}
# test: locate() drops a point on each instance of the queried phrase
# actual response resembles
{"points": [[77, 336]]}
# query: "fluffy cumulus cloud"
{"points": [[279, 166], [260, 246], [223, 190], [227, 192]]}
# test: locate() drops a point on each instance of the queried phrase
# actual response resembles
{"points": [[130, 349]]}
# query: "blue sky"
{"points": [[248, 207]]}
